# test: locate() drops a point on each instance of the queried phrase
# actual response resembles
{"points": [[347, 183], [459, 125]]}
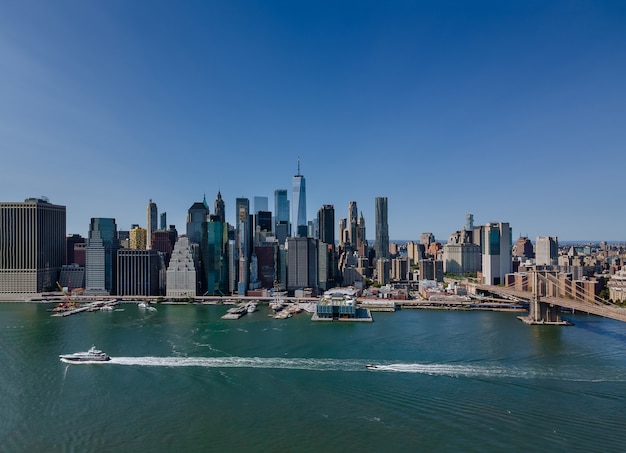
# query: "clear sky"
{"points": [[514, 111]]}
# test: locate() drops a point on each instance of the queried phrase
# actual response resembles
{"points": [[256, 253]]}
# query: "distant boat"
{"points": [[93, 355], [146, 306], [106, 308], [251, 307], [370, 366]]}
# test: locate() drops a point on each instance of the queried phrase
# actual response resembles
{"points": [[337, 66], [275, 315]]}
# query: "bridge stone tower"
{"points": [[542, 312]]}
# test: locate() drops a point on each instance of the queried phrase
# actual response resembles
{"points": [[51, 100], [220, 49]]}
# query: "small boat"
{"points": [[370, 366], [277, 305], [251, 307], [93, 355], [106, 308], [142, 305]]}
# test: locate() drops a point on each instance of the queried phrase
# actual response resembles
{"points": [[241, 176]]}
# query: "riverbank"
{"points": [[372, 305]]}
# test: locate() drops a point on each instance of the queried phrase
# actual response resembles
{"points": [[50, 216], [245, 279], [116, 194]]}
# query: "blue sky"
{"points": [[513, 111]]}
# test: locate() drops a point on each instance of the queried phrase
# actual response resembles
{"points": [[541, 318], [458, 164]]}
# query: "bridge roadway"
{"points": [[605, 310]]}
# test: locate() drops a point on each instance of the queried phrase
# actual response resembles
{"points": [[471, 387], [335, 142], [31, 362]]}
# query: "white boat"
{"points": [[106, 308], [251, 307], [277, 305], [93, 355], [146, 306]]}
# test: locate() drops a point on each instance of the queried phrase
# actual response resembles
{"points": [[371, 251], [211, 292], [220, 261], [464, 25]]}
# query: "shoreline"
{"points": [[230, 300]]}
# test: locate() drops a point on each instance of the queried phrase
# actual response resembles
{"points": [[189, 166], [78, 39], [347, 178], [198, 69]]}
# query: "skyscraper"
{"points": [[215, 258], [264, 220], [343, 232], [496, 259], [523, 248], [352, 223], [547, 250], [260, 204], [242, 242], [71, 242], [102, 246], [326, 221], [32, 245], [299, 222], [327, 259], [219, 208], [197, 214], [151, 221], [137, 272], [281, 215], [281, 206], [163, 221], [361, 239], [382, 229], [181, 273], [302, 264]]}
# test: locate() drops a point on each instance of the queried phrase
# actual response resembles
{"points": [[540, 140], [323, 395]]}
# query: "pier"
{"points": [[91, 306]]}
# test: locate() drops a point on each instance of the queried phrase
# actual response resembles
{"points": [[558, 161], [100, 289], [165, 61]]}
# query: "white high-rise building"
{"points": [[547, 250], [181, 273], [497, 252]]}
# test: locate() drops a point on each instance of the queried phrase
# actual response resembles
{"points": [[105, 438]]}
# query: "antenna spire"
{"points": [[298, 164]]}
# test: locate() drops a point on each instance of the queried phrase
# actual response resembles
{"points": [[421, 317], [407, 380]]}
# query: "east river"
{"points": [[182, 379]]}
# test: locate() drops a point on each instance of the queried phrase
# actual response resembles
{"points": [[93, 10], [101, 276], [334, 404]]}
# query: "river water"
{"points": [[182, 379]]}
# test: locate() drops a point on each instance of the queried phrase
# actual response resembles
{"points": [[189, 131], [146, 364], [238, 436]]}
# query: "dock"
{"points": [[92, 306]]}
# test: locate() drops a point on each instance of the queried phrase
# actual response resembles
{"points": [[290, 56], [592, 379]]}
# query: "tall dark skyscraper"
{"points": [[163, 221], [326, 220], [151, 221], [327, 259], [32, 245], [197, 214], [264, 220], [219, 208], [281, 215], [215, 258], [299, 222], [382, 229], [302, 263], [352, 223]]}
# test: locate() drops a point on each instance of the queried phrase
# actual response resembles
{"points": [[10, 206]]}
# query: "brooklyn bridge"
{"points": [[547, 294]]}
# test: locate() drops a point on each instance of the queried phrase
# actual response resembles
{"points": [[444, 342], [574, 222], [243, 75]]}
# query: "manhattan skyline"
{"points": [[512, 112]]}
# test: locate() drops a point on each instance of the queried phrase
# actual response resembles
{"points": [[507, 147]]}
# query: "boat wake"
{"points": [[481, 371], [243, 362]]}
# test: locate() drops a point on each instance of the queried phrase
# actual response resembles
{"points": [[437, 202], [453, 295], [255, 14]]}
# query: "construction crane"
{"points": [[66, 291]]}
